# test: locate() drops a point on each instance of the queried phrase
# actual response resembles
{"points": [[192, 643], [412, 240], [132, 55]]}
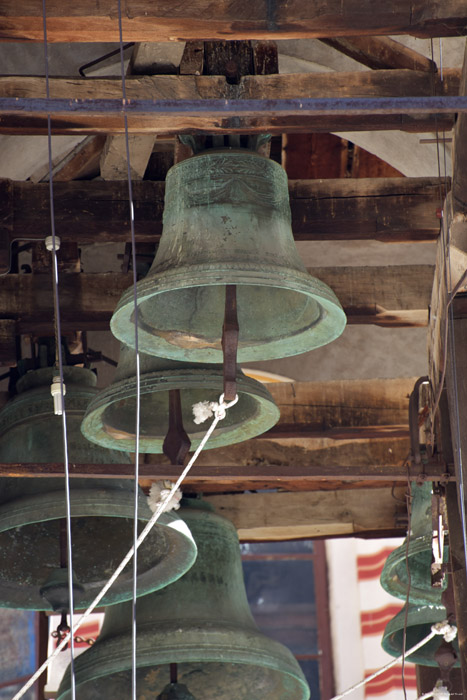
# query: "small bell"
{"points": [[227, 222], [110, 418], [394, 577], [420, 619]]}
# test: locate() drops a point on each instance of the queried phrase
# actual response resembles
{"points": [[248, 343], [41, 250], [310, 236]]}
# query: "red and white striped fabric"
{"points": [[376, 609]]}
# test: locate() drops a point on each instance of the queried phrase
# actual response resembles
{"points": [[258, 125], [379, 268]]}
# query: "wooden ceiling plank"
{"points": [[380, 53], [389, 210], [388, 297], [159, 20]]}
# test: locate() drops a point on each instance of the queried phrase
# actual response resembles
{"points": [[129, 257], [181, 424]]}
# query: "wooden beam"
{"points": [[395, 296], [285, 516], [382, 83], [289, 477], [159, 20], [342, 409], [389, 210], [76, 117], [20, 123], [380, 53], [82, 162]]}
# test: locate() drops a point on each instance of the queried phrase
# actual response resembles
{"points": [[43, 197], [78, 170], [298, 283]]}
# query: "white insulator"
{"points": [[49, 243], [57, 395]]}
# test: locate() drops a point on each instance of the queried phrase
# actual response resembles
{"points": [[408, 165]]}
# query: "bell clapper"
{"points": [[230, 332], [176, 443]]}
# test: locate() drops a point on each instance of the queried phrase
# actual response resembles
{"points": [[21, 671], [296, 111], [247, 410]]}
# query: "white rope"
{"points": [[440, 628], [219, 415]]}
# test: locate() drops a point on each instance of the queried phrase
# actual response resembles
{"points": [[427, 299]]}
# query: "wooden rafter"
{"points": [[160, 20], [380, 53]]}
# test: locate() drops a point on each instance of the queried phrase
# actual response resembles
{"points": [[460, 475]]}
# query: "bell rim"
{"points": [[269, 654], [392, 583], [331, 322], [267, 415], [182, 548]]}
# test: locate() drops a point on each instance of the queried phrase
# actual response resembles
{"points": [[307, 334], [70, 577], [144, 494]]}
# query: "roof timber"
{"points": [[279, 103], [162, 20], [384, 209]]}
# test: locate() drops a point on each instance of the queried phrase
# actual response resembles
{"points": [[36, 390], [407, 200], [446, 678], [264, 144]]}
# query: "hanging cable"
{"points": [[219, 414], [138, 372], [53, 245]]}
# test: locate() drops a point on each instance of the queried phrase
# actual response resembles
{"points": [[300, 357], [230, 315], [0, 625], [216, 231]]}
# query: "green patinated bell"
{"points": [[202, 623], [394, 577], [110, 418], [227, 221], [420, 618], [32, 511]]}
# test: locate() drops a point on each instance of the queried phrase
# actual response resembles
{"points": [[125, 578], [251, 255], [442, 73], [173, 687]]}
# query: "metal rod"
{"points": [[177, 443], [230, 342], [349, 106]]}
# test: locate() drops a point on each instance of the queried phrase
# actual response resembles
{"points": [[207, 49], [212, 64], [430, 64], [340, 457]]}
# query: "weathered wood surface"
{"points": [[394, 296], [78, 119], [280, 516], [381, 83], [113, 161], [386, 209], [288, 477], [380, 53], [159, 20], [324, 406], [17, 123]]}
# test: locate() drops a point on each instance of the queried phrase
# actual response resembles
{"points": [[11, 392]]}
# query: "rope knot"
{"points": [[440, 692], [159, 493], [208, 409], [449, 632]]}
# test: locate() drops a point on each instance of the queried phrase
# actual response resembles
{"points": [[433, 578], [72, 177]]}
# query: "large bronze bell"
{"points": [[227, 222], [32, 510], [110, 418], [420, 618], [202, 623], [394, 577]]}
